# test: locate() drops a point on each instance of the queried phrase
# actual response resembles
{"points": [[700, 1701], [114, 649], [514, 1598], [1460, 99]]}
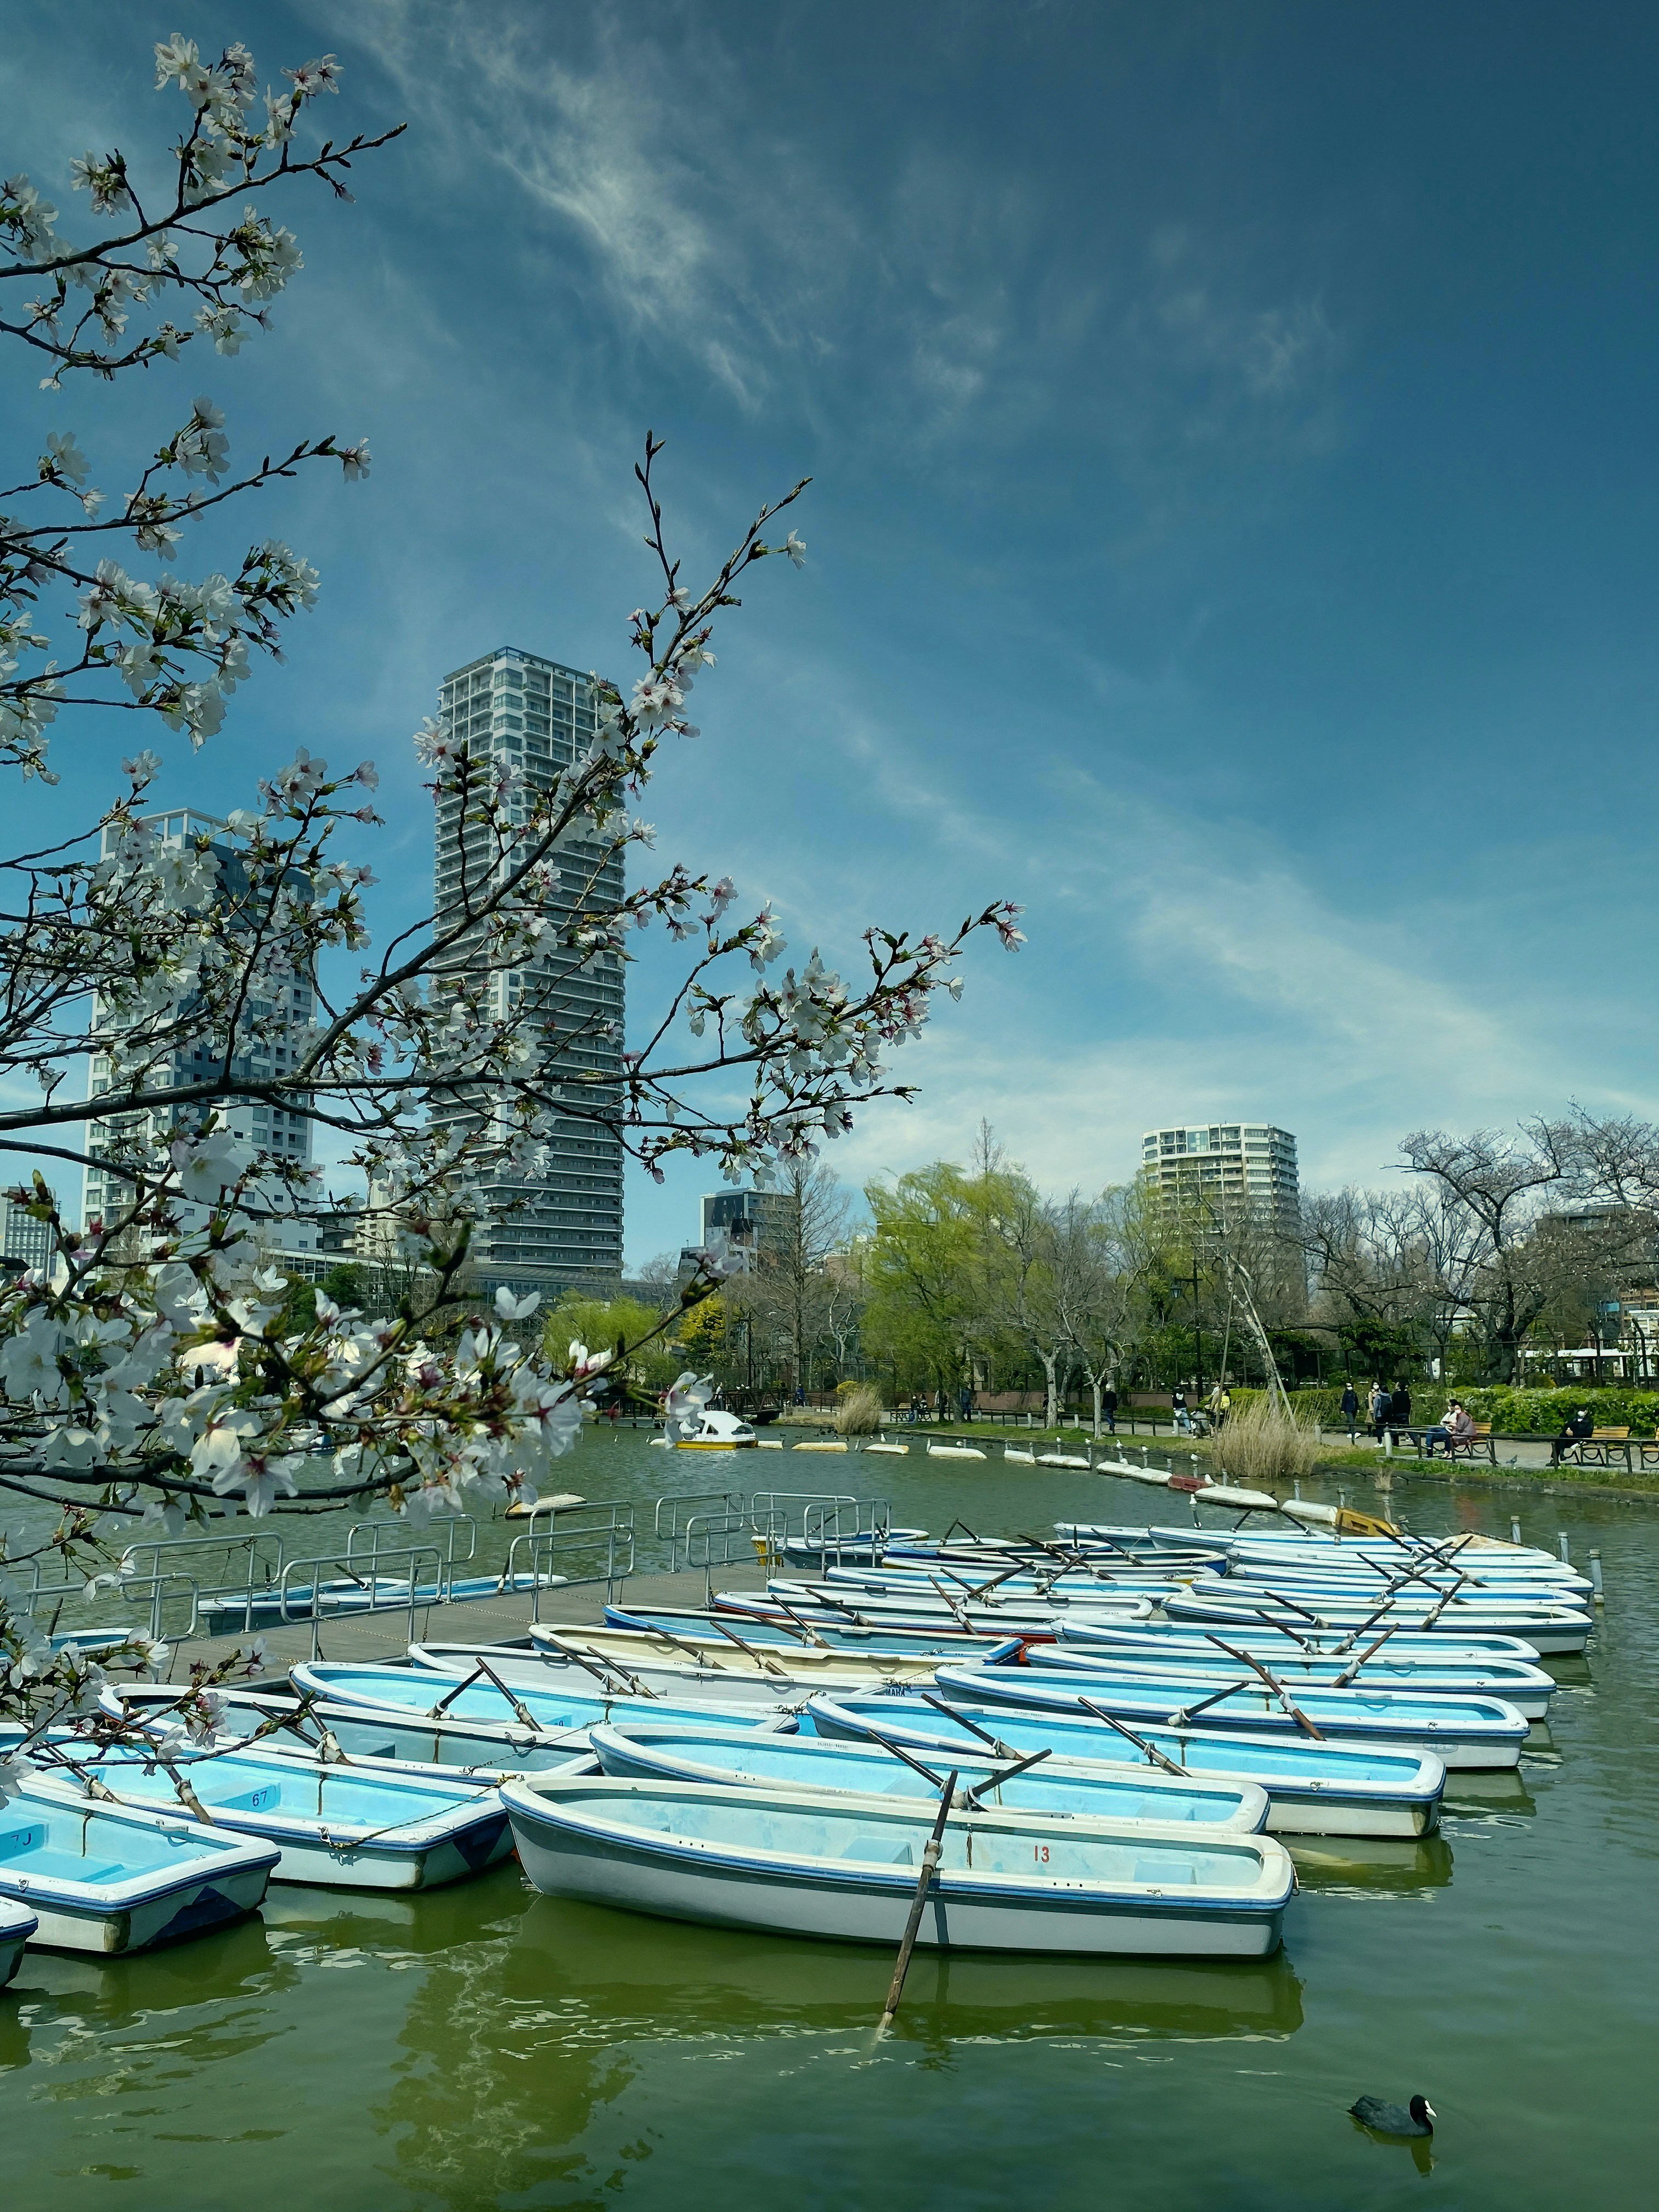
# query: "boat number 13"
{"points": [[1040, 1852]]}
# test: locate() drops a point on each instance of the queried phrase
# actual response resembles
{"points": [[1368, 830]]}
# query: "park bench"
{"points": [[1649, 1448], [1479, 1443], [1596, 1449]]}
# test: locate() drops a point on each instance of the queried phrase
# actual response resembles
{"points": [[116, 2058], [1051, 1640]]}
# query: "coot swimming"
{"points": [[1416, 2119]]}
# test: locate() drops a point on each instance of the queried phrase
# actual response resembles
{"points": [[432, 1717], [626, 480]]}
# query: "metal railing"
{"points": [[587, 1543], [377, 1593], [363, 1539]]}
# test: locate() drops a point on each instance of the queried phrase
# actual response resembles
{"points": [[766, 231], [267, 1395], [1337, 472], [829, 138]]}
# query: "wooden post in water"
{"points": [[929, 1865]]}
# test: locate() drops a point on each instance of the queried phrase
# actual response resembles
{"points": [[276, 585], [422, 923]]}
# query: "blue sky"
{"points": [[1232, 533]]}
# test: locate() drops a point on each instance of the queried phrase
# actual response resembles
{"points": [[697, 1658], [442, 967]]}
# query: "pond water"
{"points": [[484, 2047]]}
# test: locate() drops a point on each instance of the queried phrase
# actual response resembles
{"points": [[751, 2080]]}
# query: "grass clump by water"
{"points": [[1263, 1442], [859, 1413]]}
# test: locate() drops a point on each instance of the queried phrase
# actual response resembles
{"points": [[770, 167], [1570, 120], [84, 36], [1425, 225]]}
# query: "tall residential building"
{"points": [[285, 1130], [25, 1242], [739, 1225], [1249, 1162], [562, 1228]]}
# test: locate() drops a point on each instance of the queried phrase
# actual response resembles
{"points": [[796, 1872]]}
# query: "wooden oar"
{"points": [[526, 1718], [807, 1633], [1279, 1691], [1348, 1673], [1183, 1714], [1140, 1742], [604, 1673], [767, 1666], [930, 1858], [962, 1720], [898, 1751], [971, 1797]]}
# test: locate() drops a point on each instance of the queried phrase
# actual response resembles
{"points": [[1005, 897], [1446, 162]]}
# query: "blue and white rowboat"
{"points": [[1265, 1642], [761, 1759], [1529, 1689], [442, 1750], [104, 1878], [553, 1713], [1313, 1789], [1547, 1628], [1479, 1733], [17, 1925], [798, 1863], [335, 1827]]}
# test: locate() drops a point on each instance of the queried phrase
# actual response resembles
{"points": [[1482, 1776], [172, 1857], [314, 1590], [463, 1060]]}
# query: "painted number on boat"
{"points": [[1040, 1852]]}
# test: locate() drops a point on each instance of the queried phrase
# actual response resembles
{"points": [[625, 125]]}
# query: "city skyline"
{"points": [[1173, 568]]}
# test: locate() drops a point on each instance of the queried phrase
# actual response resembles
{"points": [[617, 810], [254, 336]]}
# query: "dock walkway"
{"points": [[370, 1637]]}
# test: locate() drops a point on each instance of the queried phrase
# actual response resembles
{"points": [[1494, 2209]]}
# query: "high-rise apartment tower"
{"points": [[563, 1228], [1246, 1162], [285, 1130]]}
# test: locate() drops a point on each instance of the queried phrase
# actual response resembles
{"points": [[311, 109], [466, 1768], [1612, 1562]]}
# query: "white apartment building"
{"points": [[25, 1242], [738, 1226], [284, 1130], [1249, 1162], [565, 1227]]}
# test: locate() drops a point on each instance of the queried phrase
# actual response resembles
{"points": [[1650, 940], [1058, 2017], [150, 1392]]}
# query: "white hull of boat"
{"points": [[864, 1903], [112, 1931], [17, 1925]]}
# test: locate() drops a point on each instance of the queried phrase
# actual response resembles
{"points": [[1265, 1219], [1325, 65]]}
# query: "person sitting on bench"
{"points": [[1456, 1429], [1579, 1429]]}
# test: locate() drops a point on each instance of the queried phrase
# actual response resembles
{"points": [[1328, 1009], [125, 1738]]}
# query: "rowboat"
{"points": [[1130, 1638], [981, 1626], [1472, 1732], [778, 1632], [1313, 1789], [337, 1827], [1529, 1689], [551, 1714], [804, 1863], [438, 1749], [1365, 1580], [1547, 1628], [761, 1759], [649, 1651], [111, 1880], [17, 1925]]}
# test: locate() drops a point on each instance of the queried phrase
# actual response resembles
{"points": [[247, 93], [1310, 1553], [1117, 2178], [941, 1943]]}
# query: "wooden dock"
{"points": [[371, 1637]]}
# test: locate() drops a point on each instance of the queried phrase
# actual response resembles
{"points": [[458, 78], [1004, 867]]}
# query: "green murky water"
{"points": [[484, 2047]]}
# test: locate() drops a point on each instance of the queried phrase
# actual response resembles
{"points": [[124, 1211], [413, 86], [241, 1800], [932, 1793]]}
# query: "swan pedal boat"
{"points": [[761, 1759], [1482, 1733], [1313, 1789], [801, 1863], [111, 1880]]}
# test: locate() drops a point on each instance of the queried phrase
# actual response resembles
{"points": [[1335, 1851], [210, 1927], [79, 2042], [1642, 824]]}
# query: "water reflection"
{"points": [[517, 2046], [1385, 1866], [1504, 1790]]}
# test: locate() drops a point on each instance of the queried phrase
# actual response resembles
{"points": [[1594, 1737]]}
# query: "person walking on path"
{"points": [[1350, 1409], [1400, 1407], [1183, 1420], [1378, 1403], [1108, 1408]]}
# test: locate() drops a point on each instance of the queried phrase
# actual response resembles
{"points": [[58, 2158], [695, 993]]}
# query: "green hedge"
{"points": [[1511, 1412]]}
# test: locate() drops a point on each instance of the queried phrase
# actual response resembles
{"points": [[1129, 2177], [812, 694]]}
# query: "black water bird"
{"points": [[1416, 2119]]}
